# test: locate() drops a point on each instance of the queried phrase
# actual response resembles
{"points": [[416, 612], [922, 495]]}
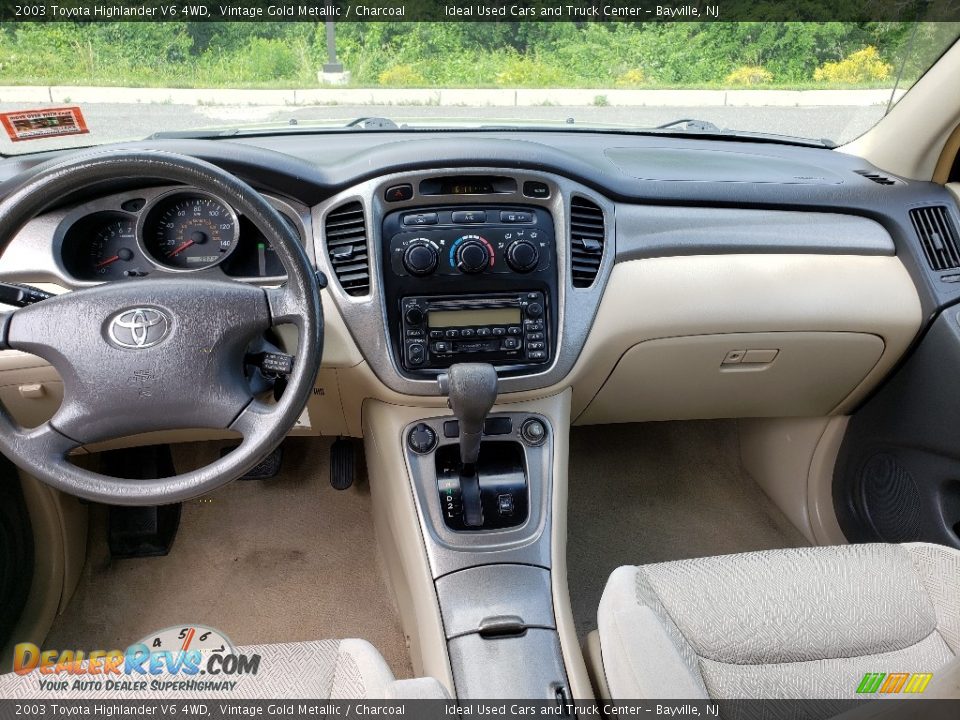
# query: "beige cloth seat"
{"points": [[798, 624], [323, 669]]}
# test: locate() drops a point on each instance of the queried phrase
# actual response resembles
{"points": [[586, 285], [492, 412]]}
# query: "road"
{"points": [[129, 121]]}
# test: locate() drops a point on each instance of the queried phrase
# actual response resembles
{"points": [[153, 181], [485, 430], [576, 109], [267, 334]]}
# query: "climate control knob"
{"points": [[472, 257], [420, 259], [522, 256]]}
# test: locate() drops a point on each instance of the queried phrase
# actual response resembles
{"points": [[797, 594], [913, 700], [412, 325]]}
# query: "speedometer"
{"points": [[189, 231]]}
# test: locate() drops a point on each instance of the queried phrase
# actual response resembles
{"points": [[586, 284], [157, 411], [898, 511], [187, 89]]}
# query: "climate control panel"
{"points": [[474, 242], [465, 283]]}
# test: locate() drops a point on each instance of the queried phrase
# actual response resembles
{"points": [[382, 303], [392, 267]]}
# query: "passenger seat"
{"points": [[792, 624]]}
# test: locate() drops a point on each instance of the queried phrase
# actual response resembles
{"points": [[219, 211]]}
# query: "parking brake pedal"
{"points": [[343, 463]]}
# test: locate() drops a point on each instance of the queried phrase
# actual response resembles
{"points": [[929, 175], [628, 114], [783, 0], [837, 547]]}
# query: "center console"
{"points": [[472, 283], [483, 483]]}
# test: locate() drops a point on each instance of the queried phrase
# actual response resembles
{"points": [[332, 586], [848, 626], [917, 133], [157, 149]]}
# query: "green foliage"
{"points": [[631, 78], [401, 76], [749, 75], [529, 71], [862, 66], [500, 54]]}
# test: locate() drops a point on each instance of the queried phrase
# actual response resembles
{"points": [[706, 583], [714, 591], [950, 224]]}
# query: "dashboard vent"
{"points": [[878, 178], [346, 235], [937, 236], [586, 241]]}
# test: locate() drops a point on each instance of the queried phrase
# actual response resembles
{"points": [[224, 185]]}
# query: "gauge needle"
{"points": [[180, 248], [104, 263]]}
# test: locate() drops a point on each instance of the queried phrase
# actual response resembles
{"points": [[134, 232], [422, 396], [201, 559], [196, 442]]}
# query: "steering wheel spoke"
{"points": [[43, 441], [254, 420], [284, 307]]}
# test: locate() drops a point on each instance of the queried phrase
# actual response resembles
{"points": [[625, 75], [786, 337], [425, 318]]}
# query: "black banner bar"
{"points": [[633, 11], [213, 709]]}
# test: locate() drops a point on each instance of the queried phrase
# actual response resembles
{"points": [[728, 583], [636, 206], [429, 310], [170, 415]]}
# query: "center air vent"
{"points": [[346, 236], [586, 241], [878, 178], [937, 236]]}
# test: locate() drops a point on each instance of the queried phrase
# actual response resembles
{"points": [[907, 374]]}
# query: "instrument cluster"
{"points": [[177, 231]]}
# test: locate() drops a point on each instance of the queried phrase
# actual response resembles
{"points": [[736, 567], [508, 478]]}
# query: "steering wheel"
{"points": [[161, 353]]}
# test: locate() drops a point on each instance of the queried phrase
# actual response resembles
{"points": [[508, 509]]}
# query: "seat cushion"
{"points": [[798, 623], [323, 669]]}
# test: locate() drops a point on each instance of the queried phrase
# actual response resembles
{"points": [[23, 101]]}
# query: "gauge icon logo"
{"points": [[139, 328]]}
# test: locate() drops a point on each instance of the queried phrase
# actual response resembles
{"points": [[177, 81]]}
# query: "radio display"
{"points": [[486, 316]]}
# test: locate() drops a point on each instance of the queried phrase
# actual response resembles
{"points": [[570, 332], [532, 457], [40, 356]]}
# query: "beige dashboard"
{"points": [[659, 345]]}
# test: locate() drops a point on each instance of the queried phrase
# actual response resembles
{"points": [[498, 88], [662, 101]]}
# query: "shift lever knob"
{"points": [[471, 389]]}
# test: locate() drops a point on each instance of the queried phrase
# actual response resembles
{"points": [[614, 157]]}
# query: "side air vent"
{"points": [[347, 248], [937, 236], [878, 178], [586, 241]]}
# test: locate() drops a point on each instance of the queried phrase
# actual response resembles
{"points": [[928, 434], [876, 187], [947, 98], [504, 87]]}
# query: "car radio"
{"points": [[438, 332], [471, 283]]}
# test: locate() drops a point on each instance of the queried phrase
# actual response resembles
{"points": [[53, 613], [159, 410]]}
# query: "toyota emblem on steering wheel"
{"points": [[139, 328]]}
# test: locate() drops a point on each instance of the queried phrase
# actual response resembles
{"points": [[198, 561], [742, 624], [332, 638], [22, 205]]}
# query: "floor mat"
{"points": [[274, 560], [652, 492]]}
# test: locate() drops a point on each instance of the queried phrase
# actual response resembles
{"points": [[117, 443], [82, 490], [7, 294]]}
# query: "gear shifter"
{"points": [[471, 390]]}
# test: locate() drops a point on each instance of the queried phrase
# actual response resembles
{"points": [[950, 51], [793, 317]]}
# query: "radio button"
{"points": [[415, 333], [536, 189], [452, 333], [498, 331], [514, 330], [515, 216], [414, 315], [434, 334], [468, 216], [483, 332], [441, 347], [535, 346], [416, 353], [421, 219], [536, 355], [532, 336], [468, 332], [511, 343]]}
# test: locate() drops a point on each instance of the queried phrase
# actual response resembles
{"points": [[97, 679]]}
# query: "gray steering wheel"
{"points": [[185, 367]]}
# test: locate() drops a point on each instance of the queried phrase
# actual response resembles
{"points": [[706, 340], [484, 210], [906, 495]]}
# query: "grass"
{"points": [[180, 81]]}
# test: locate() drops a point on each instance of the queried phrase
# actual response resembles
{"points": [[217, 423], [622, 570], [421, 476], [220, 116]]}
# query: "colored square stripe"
{"points": [[893, 683]]}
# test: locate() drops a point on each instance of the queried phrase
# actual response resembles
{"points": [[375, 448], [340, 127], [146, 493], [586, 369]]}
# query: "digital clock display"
{"points": [[466, 186]]}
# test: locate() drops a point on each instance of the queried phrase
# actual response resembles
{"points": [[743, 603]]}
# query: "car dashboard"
{"points": [[657, 278]]}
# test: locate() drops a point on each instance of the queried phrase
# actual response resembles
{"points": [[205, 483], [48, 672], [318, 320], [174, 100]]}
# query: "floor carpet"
{"points": [[651, 492], [274, 560]]}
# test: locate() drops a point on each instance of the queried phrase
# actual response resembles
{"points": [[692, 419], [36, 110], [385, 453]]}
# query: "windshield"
{"points": [[71, 84]]}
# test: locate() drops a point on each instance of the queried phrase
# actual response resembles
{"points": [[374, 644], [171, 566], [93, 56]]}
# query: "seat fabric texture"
{"points": [[802, 623]]}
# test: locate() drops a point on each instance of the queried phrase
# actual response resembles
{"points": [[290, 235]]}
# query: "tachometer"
{"points": [[103, 246], [112, 248], [189, 231]]}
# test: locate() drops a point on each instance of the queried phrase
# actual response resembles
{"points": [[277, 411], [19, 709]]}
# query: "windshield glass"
{"points": [[71, 84]]}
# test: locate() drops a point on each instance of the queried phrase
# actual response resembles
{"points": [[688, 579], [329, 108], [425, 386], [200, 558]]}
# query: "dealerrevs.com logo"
{"points": [[176, 659]]}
